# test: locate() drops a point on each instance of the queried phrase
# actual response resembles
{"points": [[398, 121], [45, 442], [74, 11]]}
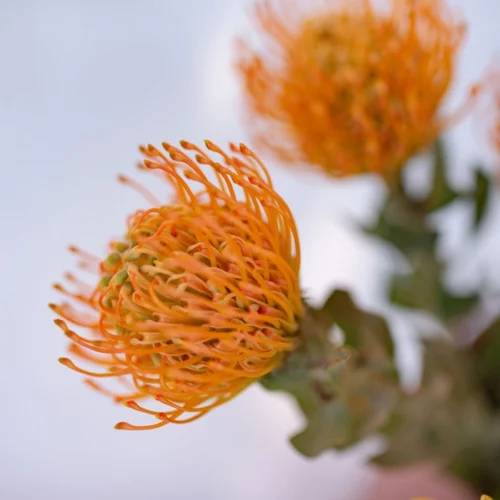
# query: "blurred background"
{"points": [[83, 82]]}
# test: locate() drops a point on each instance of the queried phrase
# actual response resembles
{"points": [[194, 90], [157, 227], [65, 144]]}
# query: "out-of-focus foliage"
{"points": [[404, 223], [487, 359], [454, 416], [444, 417]]}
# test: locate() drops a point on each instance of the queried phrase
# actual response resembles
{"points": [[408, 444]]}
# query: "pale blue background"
{"points": [[83, 82]]}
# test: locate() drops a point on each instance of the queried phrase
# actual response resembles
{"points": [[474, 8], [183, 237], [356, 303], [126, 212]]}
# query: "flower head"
{"points": [[347, 86], [201, 296]]}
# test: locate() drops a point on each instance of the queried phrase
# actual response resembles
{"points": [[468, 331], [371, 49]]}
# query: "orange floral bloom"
{"points": [[347, 86], [201, 297]]}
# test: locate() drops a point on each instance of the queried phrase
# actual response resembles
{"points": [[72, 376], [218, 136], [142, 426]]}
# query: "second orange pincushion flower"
{"points": [[347, 86], [201, 297]]}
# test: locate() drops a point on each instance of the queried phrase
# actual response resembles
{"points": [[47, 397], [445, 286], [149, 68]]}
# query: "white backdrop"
{"points": [[82, 83]]}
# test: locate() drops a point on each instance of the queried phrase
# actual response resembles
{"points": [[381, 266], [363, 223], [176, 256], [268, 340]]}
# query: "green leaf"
{"points": [[486, 351], [445, 419], [423, 289], [360, 404], [364, 331], [420, 288], [442, 193], [445, 361], [481, 197], [402, 223], [344, 400], [328, 428], [453, 306]]}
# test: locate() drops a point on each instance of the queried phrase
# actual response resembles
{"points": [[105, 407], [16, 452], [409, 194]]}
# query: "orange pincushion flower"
{"points": [[349, 87], [201, 297]]}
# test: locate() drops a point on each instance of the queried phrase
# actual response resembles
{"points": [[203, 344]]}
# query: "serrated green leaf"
{"points": [[343, 400], [328, 428], [363, 331], [360, 405]]}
